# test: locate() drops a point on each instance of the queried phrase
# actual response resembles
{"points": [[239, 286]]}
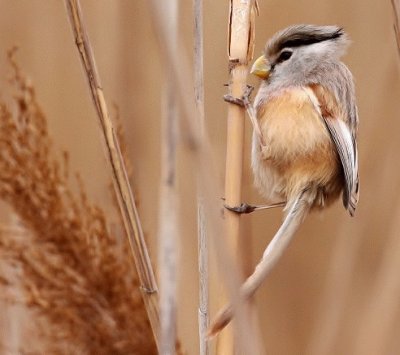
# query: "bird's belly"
{"points": [[298, 149]]}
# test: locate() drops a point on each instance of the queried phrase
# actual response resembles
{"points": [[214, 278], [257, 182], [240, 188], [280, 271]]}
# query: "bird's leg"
{"points": [[244, 101], [245, 208]]}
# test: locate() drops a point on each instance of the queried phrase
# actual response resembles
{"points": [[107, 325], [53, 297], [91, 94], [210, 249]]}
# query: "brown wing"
{"points": [[342, 133]]}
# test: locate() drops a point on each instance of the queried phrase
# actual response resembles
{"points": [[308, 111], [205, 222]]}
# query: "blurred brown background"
{"points": [[336, 290]]}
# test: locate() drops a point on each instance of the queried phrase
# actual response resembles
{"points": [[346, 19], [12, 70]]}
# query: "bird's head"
{"points": [[298, 53]]}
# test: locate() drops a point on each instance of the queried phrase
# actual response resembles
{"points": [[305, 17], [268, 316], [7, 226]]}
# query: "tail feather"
{"points": [[297, 211]]}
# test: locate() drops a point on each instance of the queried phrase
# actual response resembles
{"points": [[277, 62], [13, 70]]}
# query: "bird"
{"points": [[304, 148]]}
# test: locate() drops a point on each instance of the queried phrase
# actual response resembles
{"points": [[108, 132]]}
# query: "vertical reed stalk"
{"points": [[168, 229], [122, 187], [203, 317], [240, 52], [204, 166]]}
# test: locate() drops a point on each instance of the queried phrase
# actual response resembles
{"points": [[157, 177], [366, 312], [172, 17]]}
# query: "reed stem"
{"points": [[203, 316], [198, 147], [114, 157], [168, 237], [240, 52]]}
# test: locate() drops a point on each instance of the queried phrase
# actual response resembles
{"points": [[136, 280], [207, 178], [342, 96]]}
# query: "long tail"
{"points": [[298, 210]]}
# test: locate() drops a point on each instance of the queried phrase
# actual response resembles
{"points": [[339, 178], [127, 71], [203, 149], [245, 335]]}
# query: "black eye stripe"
{"points": [[303, 39]]}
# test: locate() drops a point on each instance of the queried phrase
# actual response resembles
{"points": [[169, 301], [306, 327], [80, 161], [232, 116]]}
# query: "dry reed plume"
{"points": [[75, 274]]}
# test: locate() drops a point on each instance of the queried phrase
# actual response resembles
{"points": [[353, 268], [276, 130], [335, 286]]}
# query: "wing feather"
{"points": [[346, 148], [342, 130]]}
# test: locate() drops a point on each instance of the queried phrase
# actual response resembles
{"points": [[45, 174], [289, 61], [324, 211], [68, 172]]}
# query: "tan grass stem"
{"points": [[168, 236], [122, 187], [240, 52], [204, 165], [203, 316]]}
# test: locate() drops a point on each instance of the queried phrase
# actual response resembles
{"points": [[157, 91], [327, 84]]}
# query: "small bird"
{"points": [[304, 150]]}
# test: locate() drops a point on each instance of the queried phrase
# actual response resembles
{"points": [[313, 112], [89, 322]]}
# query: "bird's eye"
{"points": [[285, 55]]}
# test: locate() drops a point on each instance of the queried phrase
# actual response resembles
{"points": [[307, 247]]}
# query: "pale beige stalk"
{"points": [[240, 52], [203, 316], [122, 187], [205, 168], [168, 236]]}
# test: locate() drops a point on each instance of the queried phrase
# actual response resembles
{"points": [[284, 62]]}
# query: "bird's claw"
{"points": [[243, 208]]}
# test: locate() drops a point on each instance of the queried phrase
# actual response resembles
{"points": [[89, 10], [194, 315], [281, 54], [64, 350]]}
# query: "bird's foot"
{"points": [[243, 208], [243, 101], [234, 100]]}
